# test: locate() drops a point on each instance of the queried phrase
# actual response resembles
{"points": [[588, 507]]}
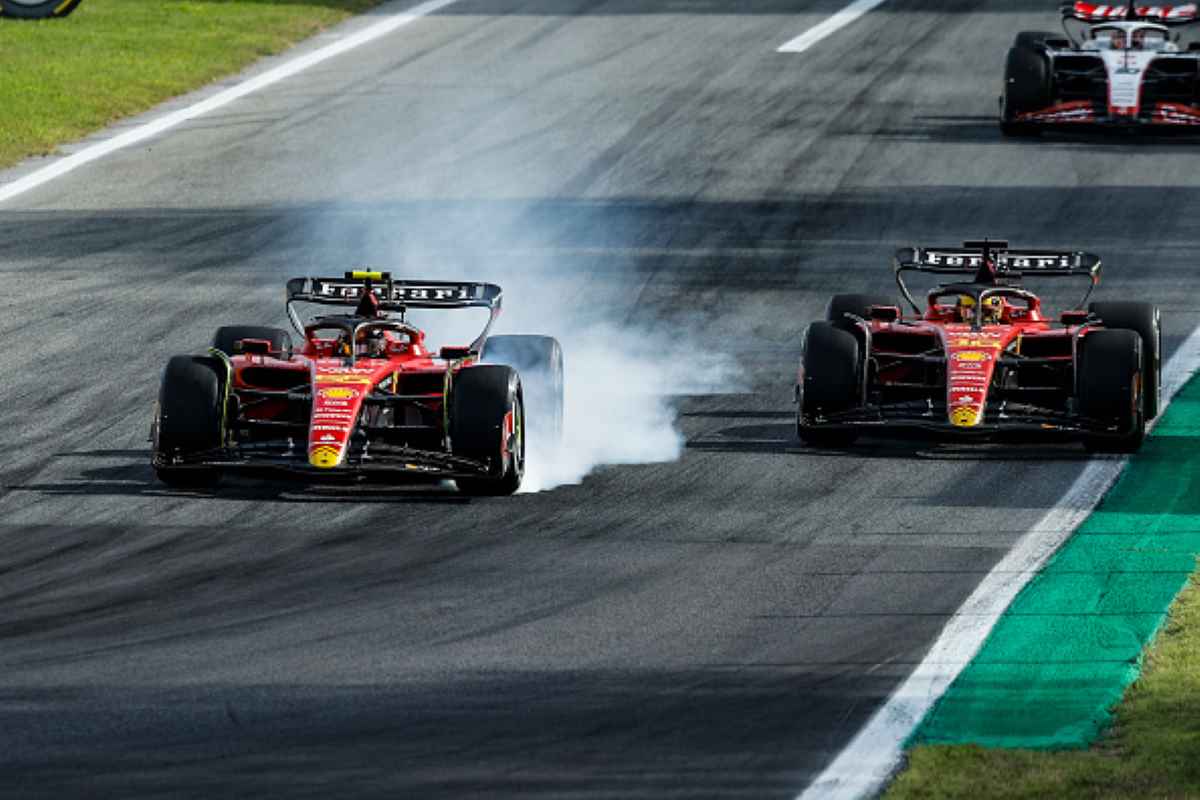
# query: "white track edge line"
{"points": [[870, 759], [275, 75], [830, 26]]}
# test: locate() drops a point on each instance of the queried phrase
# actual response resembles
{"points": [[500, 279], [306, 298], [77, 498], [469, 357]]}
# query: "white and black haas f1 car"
{"points": [[362, 394], [1129, 66], [982, 356]]}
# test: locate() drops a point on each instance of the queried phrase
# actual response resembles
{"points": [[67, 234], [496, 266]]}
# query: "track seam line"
{"points": [[871, 758], [174, 119]]}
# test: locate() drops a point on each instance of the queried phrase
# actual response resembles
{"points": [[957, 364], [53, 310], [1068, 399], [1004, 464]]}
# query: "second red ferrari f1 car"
{"points": [[362, 394], [983, 355]]}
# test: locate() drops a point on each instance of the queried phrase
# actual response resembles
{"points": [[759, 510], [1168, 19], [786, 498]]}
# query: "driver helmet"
{"points": [[993, 309], [371, 343], [965, 308]]}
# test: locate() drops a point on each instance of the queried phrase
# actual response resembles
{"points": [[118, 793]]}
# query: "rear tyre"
{"points": [[1026, 88], [227, 339], [487, 423], [1110, 388], [1145, 320], [828, 384], [857, 304], [539, 362], [188, 421], [1034, 39], [37, 9]]}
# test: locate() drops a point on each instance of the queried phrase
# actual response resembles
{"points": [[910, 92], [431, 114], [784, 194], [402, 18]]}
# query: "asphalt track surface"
{"points": [[713, 627]]}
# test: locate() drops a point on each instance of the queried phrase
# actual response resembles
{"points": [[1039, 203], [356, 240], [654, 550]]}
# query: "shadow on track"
{"points": [[780, 439], [135, 478]]}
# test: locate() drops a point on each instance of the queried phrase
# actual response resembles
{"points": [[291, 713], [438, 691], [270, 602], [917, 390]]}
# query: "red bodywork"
{"points": [[268, 388]]}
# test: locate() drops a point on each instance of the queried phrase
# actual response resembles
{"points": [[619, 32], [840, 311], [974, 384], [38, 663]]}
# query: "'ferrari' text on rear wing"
{"points": [[394, 295]]}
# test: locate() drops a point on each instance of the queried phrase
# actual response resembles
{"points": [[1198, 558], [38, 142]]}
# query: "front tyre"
{"points": [[188, 421], [1026, 88], [38, 9], [1145, 320], [828, 384], [1111, 378], [487, 424]]}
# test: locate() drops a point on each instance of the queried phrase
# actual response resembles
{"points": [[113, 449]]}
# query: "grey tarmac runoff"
{"points": [[717, 626]]}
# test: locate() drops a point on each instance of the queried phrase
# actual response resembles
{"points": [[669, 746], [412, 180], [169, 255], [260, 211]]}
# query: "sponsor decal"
{"points": [[989, 339], [333, 428], [329, 437], [343, 371], [429, 294], [972, 356], [339, 393], [971, 365], [966, 400], [1032, 261], [965, 416], [324, 456], [343, 378]]}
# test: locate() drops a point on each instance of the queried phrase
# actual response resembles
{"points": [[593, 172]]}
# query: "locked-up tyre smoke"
{"points": [[37, 9], [539, 362]]}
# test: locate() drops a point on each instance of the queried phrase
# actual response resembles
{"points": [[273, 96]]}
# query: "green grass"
{"points": [[62, 79], [1151, 751]]}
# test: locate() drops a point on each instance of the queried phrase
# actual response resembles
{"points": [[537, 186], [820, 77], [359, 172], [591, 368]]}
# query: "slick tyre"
{"points": [[487, 423], [828, 383], [1145, 320], [539, 362], [1026, 88], [227, 337], [1111, 377], [37, 9], [857, 304], [188, 420]]}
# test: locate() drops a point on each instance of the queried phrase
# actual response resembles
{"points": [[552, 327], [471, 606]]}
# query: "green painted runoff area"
{"points": [[1063, 654]]}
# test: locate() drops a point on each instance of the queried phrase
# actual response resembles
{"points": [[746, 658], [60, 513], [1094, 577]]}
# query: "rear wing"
{"points": [[393, 295], [991, 261], [1131, 12]]}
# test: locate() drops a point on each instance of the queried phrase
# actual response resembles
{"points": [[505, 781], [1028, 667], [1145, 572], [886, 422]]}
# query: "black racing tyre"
{"points": [[1110, 388], [188, 420], [829, 383], [1145, 320], [539, 362], [857, 304], [227, 337], [1026, 88], [481, 399], [38, 9]]}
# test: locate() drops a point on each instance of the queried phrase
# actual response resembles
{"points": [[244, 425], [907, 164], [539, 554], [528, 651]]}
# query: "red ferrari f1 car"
{"points": [[362, 394], [982, 356]]}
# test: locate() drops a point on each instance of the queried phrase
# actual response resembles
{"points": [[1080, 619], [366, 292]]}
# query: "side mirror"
{"points": [[454, 353], [257, 347], [884, 313]]}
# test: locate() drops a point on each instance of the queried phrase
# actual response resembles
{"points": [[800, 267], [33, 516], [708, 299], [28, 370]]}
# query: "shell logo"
{"points": [[971, 356], [324, 456], [339, 393], [965, 417]]}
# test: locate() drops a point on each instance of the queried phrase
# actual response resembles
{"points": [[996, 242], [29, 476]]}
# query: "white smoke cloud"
{"points": [[623, 365]]}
